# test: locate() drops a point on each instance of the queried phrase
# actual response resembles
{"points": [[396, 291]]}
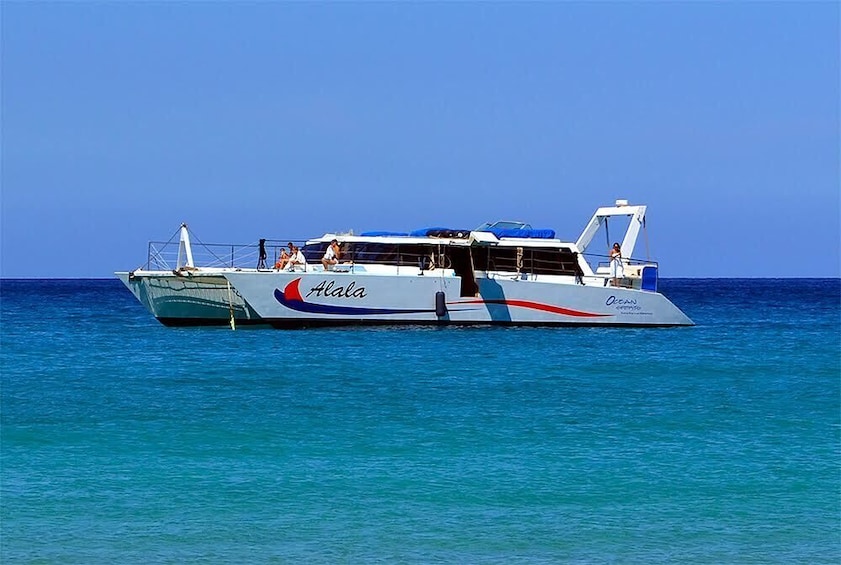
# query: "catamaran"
{"points": [[504, 273]]}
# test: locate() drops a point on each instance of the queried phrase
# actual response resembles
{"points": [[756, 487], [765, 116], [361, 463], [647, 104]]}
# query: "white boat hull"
{"points": [[336, 298], [189, 299]]}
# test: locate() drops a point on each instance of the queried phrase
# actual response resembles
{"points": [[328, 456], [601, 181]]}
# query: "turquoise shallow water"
{"points": [[125, 441]]}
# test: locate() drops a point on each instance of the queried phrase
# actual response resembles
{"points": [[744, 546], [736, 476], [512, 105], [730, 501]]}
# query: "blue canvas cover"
{"points": [[440, 232]]}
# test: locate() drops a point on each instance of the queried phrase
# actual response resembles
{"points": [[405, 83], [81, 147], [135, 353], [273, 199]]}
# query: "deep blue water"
{"points": [[125, 441]]}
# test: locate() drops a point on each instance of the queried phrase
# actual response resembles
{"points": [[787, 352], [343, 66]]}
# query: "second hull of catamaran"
{"points": [[189, 297]]}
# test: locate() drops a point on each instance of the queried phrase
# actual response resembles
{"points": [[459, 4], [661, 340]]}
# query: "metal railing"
{"points": [[390, 255], [632, 271], [164, 256], [603, 261]]}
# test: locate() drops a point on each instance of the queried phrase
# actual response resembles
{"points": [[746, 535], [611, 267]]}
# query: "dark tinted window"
{"points": [[371, 252], [532, 260]]}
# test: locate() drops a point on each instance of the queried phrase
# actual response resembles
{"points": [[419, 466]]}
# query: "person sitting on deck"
{"points": [[283, 259], [296, 259], [331, 255]]}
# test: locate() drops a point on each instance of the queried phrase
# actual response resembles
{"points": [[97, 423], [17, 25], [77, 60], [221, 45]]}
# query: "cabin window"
{"points": [[412, 255], [313, 252], [538, 261]]}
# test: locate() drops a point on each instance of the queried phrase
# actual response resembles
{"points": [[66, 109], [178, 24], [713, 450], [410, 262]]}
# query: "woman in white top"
{"points": [[617, 271], [296, 259]]}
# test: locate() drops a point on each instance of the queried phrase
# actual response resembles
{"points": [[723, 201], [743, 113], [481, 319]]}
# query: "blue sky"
{"points": [[280, 120]]}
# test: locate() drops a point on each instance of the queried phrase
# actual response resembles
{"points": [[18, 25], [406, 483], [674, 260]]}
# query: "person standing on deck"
{"points": [[617, 271]]}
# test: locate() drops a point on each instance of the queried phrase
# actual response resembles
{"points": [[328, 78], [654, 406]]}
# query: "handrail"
{"points": [[604, 260], [629, 279], [162, 255]]}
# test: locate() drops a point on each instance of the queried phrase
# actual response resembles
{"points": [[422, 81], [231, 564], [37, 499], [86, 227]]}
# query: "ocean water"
{"points": [[126, 441]]}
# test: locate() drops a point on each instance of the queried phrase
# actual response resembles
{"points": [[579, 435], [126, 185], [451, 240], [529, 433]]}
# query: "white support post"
{"points": [[184, 249]]}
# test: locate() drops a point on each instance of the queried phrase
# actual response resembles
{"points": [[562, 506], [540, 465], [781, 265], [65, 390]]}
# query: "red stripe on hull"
{"points": [[538, 306]]}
